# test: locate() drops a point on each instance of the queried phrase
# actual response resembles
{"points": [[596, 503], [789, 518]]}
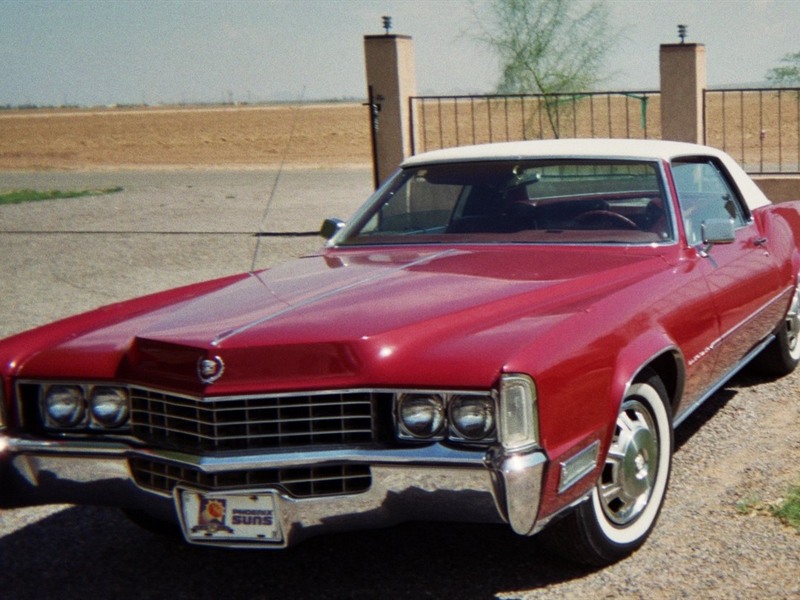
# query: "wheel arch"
{"points": [[654, 353]]}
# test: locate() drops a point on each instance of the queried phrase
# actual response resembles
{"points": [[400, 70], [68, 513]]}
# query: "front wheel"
{"points": [[628, 495]]}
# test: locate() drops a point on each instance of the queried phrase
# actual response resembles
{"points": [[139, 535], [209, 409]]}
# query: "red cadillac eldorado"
{"points": [[504, 333]]}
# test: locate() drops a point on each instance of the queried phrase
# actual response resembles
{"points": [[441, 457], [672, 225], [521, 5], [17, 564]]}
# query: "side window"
{"points": [[705, 193]]}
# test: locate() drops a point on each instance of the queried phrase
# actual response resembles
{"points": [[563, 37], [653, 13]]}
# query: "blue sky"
{"points": [[95, 52]]}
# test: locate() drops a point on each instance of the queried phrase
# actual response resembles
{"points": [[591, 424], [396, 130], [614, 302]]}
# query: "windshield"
{"points": [[541, 201]]}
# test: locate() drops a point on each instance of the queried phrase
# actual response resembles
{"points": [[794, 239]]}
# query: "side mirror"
{"points": [[717, 231], [330, 227]]}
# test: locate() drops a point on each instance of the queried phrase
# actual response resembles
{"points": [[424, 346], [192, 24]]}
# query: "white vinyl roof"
{"points": [[623, 149]]}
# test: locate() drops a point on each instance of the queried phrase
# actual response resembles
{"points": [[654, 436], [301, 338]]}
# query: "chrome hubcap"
{"points": [[630, 470]]}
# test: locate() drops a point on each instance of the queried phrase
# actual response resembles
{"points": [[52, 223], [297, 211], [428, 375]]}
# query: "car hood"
{"points": [[346, 318]]}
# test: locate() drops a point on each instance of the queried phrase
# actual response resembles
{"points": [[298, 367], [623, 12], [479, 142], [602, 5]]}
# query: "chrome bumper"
{"points": [[434, 483]]}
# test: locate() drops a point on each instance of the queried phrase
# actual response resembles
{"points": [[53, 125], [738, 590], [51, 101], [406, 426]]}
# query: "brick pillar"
{"points": [[683, 81], [392, 80]]}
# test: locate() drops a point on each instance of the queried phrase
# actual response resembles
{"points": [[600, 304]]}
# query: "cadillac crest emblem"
{"points": [[210, 369]]}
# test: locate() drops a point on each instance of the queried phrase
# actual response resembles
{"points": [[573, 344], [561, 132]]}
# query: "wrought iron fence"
{"points": [[446, 121], [758, 127]]}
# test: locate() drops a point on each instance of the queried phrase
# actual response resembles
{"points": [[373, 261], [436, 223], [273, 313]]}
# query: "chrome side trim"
{"points": [[750, 317], [722, 337], [723, 380]]}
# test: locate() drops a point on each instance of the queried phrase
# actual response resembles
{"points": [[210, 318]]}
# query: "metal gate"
{"points": [[759, 127], [446, 121]]}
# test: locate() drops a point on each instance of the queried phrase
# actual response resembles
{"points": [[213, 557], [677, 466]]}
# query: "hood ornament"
{"points": [[210, 369]]}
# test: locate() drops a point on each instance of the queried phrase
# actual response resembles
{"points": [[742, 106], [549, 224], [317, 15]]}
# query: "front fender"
{"points": [[654, 350]]}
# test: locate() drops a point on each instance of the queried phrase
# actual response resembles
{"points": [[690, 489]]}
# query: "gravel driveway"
{"points": [[172, 227]]}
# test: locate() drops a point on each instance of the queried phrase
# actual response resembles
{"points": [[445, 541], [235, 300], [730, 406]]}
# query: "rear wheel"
{"points": [[628, 495], [782, 356]]}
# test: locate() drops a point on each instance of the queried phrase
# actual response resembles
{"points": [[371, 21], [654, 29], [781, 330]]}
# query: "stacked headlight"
{"points": [[109, 406], [64, 407], [436, 416], [84, 407], [471, 417], [421, 416]]}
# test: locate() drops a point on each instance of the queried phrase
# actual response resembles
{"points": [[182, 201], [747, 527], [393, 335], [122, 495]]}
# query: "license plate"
{"points": [[229, 517]]}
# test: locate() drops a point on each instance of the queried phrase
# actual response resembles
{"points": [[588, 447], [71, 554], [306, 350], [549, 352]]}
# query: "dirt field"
{"points": [[760, 129], [329, 135]]}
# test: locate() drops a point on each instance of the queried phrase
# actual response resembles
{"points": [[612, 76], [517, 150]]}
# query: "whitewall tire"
{"points": [[629, 493]]}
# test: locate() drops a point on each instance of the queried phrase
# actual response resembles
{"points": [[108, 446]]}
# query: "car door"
{"points": [[742, 276]]}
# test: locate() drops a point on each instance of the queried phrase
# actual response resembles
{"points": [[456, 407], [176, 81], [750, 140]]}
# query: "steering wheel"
{"points": [[604, 217]]}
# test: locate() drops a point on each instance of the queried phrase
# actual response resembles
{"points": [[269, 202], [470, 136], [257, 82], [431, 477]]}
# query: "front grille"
{"points": [[254, 422], [298, 482]]}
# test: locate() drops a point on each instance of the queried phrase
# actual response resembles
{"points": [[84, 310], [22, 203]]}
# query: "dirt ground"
{"points": [[325, 135]]}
